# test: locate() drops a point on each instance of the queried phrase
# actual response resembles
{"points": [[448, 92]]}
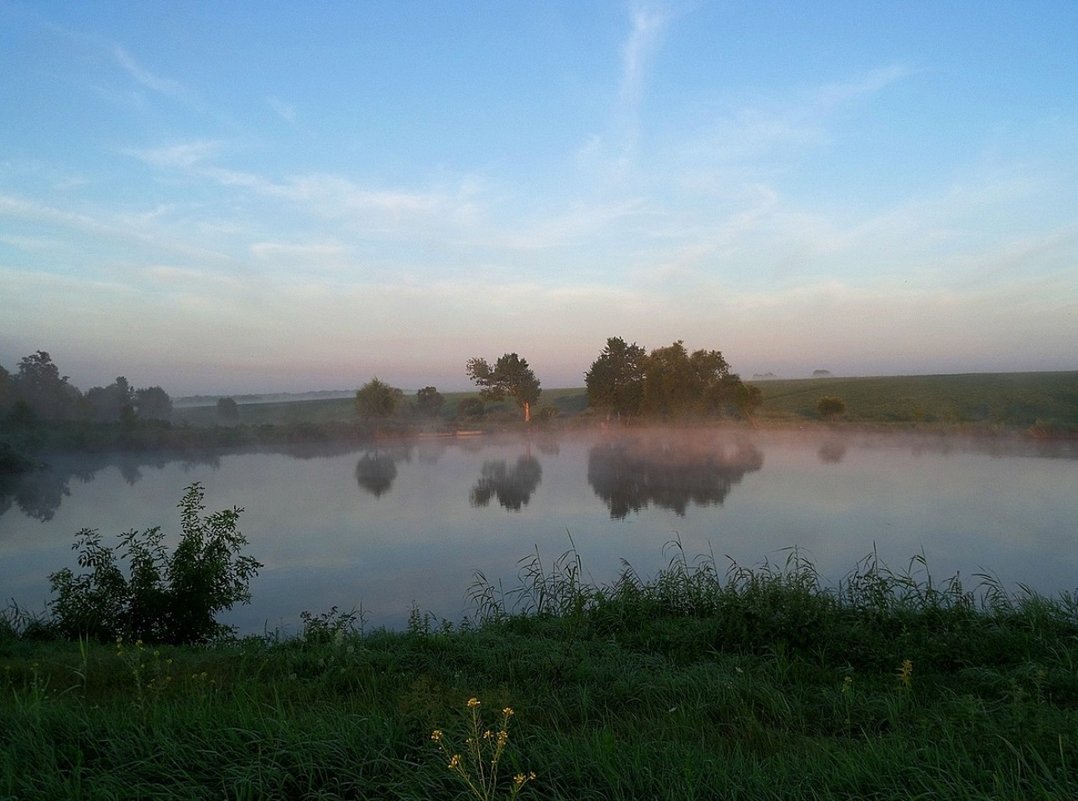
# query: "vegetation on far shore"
{"points": [[41, 412]]}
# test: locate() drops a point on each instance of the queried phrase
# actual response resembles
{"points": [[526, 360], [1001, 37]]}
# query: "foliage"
{"points": [[153, 403], [164, 598], [510, 376], [7, 390], [615, 381], [429, 401], [109, 404], [377, 400], [668, 383], [470, 407], [228, 411], [41, 387], [830, 406]]}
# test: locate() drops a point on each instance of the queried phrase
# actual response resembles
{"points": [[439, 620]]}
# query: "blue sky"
{"points": [[235, 197]]}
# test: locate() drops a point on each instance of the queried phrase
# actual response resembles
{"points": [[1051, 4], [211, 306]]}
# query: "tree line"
{"points": [[37, 391], [625, 381]]}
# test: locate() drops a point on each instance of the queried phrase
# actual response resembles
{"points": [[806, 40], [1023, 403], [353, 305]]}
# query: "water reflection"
{"points": [[512, 486], [832, 451], [38, 494], [630, 474], [376, 469]]}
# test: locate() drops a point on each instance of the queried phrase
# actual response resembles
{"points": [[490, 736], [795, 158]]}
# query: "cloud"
{"points": [[164, 86], [643, 40], [286, 111]]}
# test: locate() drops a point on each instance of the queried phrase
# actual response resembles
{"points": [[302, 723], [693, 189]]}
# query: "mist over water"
{"points": [[411, 521]]}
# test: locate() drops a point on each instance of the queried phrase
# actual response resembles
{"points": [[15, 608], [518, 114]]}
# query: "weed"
{"points": [[478, 764]]}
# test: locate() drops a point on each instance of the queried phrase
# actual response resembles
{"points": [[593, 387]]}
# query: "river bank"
{"points": [[755, 683]]}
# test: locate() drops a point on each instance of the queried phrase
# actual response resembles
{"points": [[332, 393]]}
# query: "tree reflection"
{"points": [[512, 486], [832, 451], [39, 493], [631, 474], [376, 469], [375, 472]]}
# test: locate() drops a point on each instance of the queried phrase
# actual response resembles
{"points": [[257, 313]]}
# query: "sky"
{"points": [[277, 196]]}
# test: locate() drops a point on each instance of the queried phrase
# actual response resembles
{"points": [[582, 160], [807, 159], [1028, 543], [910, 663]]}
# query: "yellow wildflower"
{"points": [[473, 702], [436, 735]]}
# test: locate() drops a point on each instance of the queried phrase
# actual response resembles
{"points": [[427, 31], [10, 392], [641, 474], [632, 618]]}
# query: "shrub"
{"points": [[165, 598], [830, 406]]}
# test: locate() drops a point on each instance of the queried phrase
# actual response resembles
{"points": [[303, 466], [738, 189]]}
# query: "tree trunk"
{"points": [[527, 412]]}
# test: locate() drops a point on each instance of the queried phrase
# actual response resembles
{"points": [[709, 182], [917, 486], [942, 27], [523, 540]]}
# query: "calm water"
{"points": [[411, 523]]}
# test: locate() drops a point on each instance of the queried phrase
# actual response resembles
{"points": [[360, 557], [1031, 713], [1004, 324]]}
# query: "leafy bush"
{"points": [[164, 598]]}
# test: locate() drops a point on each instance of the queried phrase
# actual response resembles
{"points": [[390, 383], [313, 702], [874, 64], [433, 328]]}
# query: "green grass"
{"points": [[695, 683]]}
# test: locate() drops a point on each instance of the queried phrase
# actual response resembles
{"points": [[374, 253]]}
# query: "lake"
{"points": [[409, 523]]}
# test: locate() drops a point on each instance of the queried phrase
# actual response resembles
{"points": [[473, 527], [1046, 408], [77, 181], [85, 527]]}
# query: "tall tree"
{"points": [[510, 376], [615, 381]]}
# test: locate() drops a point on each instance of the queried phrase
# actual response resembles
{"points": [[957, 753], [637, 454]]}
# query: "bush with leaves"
{"points": [[164, 598]]}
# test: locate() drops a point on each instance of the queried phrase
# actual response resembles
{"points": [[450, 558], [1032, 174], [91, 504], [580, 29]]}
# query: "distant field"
{"points": [[1011, 399], [1007, 399]]}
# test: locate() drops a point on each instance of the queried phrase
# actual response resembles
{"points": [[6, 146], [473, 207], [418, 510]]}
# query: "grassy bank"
{"points": [[692, 684]]}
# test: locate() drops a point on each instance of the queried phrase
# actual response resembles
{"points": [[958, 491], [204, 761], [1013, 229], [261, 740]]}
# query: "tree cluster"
{"points": [[37, 391], [669, 383]]}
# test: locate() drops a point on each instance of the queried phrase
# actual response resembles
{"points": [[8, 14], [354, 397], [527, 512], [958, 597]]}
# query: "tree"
{"points": [[47, 393], [429, 401], [153, 403], [677, 384], [377, 400], [227, 410], [829, 407], [510, 376], [7, 390], [111, 403], [670, 382], [615, 381]]}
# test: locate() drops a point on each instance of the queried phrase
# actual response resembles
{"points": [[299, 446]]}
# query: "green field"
{"points": [[1001, 399]]}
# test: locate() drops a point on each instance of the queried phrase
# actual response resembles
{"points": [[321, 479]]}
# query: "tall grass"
{"points": [[703, 681]]}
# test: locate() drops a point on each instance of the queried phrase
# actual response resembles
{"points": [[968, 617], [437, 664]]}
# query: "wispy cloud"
{"points": [[286, 111], [164, 86]]}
